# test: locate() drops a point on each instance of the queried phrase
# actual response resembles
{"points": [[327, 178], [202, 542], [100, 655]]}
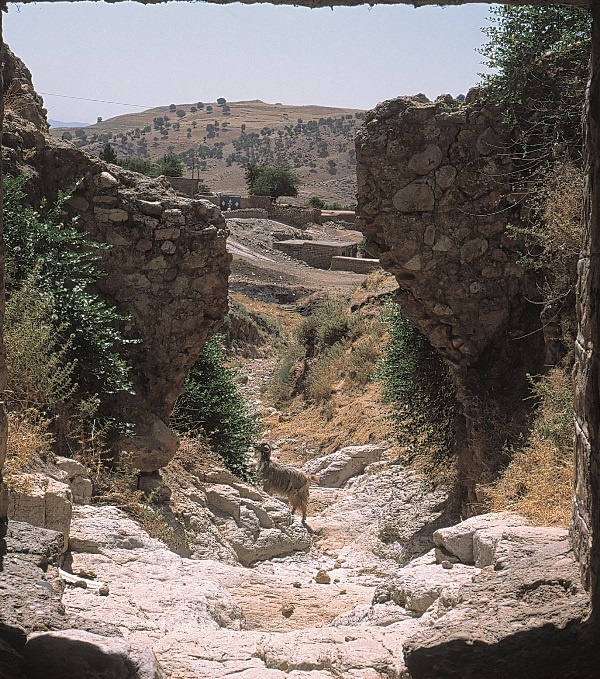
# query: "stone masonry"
{"points": [[167, 267], [317, 253], [434, 203], [355, 264]]}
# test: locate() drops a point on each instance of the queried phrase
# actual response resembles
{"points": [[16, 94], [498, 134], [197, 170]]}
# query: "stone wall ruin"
{"points": [[167, 267], [435, 198]]}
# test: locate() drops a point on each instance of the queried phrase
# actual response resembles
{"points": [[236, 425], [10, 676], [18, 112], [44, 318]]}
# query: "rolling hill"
{"points": [[216, 140]]}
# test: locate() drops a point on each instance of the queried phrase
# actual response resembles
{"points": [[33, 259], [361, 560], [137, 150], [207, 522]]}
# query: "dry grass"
{"points": [[287, 319], [538, 482], [29, 444], [349, 417]]}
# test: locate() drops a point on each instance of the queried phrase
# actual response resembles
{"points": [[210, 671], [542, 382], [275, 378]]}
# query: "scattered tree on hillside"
{"points": [[99, 119], [221, 101], [108, 154], [272, 180], [170, 165]]}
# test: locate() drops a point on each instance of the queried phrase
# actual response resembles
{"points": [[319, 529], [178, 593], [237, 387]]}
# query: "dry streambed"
{"points": [[378, 570]]}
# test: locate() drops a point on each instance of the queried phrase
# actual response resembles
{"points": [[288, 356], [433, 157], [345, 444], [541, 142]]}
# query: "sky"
{"points": [[142, 56]]}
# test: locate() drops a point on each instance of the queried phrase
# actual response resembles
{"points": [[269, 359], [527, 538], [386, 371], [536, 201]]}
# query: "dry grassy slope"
{"points": [[299, 149], [354, 414]]}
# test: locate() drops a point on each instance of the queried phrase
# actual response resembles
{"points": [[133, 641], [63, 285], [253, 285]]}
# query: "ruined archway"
{"points": [[586, 516]]}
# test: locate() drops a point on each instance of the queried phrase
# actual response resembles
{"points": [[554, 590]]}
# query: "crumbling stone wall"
{"points": [[167, 267], [295, 216], [434, 201]]}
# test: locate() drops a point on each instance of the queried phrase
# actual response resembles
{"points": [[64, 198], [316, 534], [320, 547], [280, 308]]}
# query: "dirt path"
{"points": [[261, 272]]}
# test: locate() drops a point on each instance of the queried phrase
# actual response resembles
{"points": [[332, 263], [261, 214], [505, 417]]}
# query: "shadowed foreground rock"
{"points": [[75, 653], [519, 617]]}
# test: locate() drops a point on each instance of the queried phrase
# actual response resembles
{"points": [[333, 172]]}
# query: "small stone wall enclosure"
{"points": [[354, 264], [315, 252]]}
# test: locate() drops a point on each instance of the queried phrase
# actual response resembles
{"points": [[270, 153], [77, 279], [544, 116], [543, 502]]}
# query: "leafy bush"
{"points": [[330, 344], [40, 376], [212, 404], [169, 165], [539, 57], [415, 381], [272, 180], [550, 231], [63, 261], [316, 202]]}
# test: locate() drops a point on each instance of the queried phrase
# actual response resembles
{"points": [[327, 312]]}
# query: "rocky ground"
{"points": [[377, 586], [261, 272]]}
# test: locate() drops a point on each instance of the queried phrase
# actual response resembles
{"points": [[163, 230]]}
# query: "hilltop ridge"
{"points": [[216, 140]]}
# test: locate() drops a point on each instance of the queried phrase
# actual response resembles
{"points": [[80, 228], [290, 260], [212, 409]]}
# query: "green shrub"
{"points": [[331, 343], [415, 381], [40, 375], [212, 404], [316, 202], [64, 260], [538, 58], [328, 324]]}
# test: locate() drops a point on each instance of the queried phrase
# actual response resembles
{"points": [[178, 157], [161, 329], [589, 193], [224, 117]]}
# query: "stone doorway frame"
{"points": [[585, 530]]}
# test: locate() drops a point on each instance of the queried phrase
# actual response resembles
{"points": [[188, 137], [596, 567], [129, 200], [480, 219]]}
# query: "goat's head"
{"points": [[265, 451]]}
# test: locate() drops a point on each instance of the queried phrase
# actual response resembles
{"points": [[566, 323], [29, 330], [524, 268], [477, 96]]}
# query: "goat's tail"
{"points": [[313, 478]]}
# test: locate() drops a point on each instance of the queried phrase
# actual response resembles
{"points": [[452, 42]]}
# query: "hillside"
{"points": [[218, 140]]}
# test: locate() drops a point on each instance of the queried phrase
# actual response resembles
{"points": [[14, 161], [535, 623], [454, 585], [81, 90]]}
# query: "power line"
{"points": [[101, 101]]}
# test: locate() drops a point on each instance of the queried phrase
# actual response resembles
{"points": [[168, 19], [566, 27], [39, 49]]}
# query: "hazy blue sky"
{"points": [[185, 52]]}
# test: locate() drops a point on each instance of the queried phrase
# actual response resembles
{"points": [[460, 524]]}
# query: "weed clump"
{"points": [[330, 345], [416, 383]]}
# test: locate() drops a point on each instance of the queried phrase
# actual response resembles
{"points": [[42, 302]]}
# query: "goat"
{"points": [[279, 479]]}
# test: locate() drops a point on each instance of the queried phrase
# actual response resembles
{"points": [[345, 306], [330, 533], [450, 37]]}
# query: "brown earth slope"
{"points": [[318, 141]]}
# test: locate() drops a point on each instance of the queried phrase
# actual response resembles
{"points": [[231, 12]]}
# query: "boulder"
{"points": [[77, 653], [335, 469], [78, 478], [419, 585], [459, 540], [31, 591], [41, 501], [518, 617], [255, 525]]}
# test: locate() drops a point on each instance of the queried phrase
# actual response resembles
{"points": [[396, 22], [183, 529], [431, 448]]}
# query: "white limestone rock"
{"points": [[255, 525], [335, 469], [458, 540], [417, 587], [78, 479], [41, 501]]}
